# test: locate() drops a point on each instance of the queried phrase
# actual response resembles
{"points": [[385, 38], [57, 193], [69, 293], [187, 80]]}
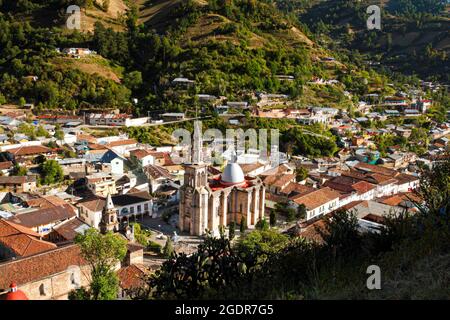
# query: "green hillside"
{"points": [[230, 48], [414, 38]]}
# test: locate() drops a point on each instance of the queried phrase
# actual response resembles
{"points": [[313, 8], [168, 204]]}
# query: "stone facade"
{"points": [[208, 205]]}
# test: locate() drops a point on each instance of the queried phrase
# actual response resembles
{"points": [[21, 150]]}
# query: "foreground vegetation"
{"points": [[412, 251]]}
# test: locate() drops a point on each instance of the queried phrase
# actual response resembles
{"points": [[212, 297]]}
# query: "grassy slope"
{"points": [[92, 65]]}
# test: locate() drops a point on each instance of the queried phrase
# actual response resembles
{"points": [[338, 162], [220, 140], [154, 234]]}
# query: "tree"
{"points": [[243, 225], [51, 172], [19, 171], [133, 80], [301, 212], [301, 174], [210, 272], [258, 245], [22, 101], [262, 225], [102, 253], [291, 213], [168, 251], [59, 134], [273, 218], [231, 230]]}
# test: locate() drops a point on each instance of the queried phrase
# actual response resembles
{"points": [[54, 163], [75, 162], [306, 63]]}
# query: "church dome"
{"points": [[232, 174], [15, 294]]}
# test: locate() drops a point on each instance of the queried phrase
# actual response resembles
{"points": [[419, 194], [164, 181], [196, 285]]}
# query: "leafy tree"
{"points": [[258, 245], [102, 253], [273, 218], [22, 101], [301, 173], [168, 250], [59, 134], [262, 225], [243, 225], [19, 171], [210, 272], [231, 230], [301, 211], [51, 172]]}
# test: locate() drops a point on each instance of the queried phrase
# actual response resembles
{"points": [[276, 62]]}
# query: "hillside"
{"points": [[414, 39], [234, 50]]}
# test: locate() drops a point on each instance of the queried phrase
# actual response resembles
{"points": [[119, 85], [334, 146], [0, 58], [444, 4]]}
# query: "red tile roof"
{"points": [[132, 277], [29, 150], [317, 198], [39, 266], [6, 165], [22, 241], [121, 143]]}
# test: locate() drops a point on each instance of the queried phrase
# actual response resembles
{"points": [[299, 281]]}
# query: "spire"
{"points": [[197, 143], [109, 203]]}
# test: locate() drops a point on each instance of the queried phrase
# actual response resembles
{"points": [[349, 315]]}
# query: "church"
{"points": [[208, 202]]}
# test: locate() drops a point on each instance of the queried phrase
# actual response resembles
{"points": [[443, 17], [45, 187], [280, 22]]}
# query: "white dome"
{"points": [[233, 174]]}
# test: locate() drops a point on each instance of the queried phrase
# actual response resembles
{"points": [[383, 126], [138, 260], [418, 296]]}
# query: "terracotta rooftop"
{"points": [[6, 165], [29, 150], [39, 266], [70, 229], [363, 187], [16, 179], [317, 198], [140, 153], [371, 168], [44, 216], [294, 188], [121, 143], [132, 277], [22, 241], [95, 205], [249, 167], [279, 180], [46, 202], [156, 172]]}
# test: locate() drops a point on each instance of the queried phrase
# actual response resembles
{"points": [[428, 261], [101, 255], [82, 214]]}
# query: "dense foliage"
{"points": [[265, 264]]}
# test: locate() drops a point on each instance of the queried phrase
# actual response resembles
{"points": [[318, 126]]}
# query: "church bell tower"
{"points": [[109, 217]]}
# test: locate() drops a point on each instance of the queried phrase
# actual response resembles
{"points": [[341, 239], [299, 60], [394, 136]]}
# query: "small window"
{"points": [[131, 209], [42, 290]]}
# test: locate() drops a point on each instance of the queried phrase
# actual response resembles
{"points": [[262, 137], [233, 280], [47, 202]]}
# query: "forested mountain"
{"points": [[414, 36], [233, 48]]}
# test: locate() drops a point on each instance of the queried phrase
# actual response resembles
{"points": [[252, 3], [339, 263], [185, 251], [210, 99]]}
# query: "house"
{"points": [[114, 160], [101, 184], [44, 220], [6, 167], [317, 203], [26, 153], [277, 182], [142, 157], [157, 176], [68, 230], [18, 184], [173, 116], [122, 146], [130, 206], [18, 241]]}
